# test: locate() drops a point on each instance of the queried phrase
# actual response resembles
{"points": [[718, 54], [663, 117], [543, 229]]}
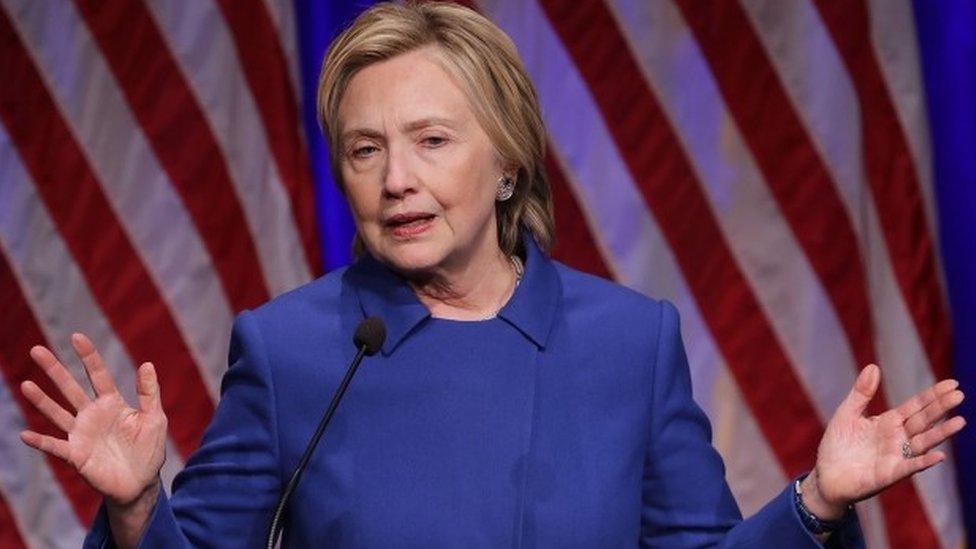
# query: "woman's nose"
{"points": [[398, 179]]}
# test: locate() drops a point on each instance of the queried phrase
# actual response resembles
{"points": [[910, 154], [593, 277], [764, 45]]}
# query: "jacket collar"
{"points": [[532, 309], [385, 294]]}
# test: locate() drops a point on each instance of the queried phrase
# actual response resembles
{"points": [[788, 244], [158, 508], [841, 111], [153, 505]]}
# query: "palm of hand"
{"points": [[860, 456], [116, 448]]}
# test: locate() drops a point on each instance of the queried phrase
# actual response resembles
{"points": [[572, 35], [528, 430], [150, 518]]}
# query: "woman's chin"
{"points": [[413, 262]]}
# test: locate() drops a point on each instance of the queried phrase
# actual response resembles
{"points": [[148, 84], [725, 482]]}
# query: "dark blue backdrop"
{"points": [[947, 36], [947, 39], [319, 21]]}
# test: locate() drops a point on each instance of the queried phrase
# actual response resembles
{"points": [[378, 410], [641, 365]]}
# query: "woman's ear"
{"points": [[507, 168], [510, 171]]}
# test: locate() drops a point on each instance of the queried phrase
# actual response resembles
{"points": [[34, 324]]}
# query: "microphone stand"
{"points": [[293, 482]]}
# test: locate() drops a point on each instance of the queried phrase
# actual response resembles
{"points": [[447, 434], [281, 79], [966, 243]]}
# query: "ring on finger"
{"points": [[906, 450]]}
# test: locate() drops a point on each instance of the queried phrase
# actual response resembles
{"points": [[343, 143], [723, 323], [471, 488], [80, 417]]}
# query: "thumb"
{"points": [[147, 386], [865, 387]]}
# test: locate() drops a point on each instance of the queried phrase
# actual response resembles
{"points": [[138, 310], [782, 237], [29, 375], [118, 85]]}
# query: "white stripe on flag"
{"points": [[198, 36], [790, 29], [283, 16], [804, 55], [636, 248], [759, 237], [34, 496], [56, 289], [754, 475], [152, 214], [896, 47], [895, 41]]}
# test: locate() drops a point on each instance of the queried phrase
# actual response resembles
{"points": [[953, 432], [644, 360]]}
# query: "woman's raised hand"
{"points": [[860, 456], [118, 449]]}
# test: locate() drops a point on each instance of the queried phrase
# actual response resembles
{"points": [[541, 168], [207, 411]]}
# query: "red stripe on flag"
{"points": [[894, 182], [575, 245], [661, 169], [183, 141], [266, 69], [898, 197], [21, 332], [797, 177], [98, 243], [10, 537], [788, 159]]}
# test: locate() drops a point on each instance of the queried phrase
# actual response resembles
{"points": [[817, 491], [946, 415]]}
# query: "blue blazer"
{"points": [[566, 421]]}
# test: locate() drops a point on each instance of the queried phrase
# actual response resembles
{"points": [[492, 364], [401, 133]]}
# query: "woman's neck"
{"points": [[476, 291]]}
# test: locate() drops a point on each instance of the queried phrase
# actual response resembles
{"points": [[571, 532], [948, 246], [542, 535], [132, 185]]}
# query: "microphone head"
{"points": [[370, 333]]}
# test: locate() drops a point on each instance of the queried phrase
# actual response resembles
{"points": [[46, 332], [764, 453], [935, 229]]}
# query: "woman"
{"points": [[515, 401]]}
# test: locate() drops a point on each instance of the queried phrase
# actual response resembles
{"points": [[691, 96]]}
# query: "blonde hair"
{"points": [[483, 59]]}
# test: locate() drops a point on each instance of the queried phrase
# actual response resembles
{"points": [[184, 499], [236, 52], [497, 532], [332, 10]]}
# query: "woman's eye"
{"points": [[363, 151], [434, 141]]}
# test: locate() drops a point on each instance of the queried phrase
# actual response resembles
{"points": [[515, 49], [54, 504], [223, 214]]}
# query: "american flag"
{"points": [[764, 164]]}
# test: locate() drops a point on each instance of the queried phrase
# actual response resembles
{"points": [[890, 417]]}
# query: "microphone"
{"points": [[368, 339], [370, 335]]}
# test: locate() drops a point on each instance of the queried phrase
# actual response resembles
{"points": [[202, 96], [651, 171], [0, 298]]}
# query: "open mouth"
{"points": [[409, 224]]}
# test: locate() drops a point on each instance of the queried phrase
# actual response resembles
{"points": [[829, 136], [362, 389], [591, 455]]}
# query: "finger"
{"points": [[99, 376], [933, 412], [935, 436], [147, 386], [917, 464], [49, 445], [60, 375], [865, 387], [923, 398], [47, 406]]}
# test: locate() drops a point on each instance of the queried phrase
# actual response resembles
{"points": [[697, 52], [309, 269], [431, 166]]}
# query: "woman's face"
{"points": [[420, 173]]}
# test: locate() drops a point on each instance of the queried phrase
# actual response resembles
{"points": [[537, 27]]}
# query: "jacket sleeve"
{"points": [[225, 495], [685, 499]]}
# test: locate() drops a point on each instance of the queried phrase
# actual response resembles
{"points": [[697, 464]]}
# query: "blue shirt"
{"points": [[566, 421]]}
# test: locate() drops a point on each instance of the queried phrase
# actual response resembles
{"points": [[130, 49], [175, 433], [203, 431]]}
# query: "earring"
{"points": [[506, 187]]}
